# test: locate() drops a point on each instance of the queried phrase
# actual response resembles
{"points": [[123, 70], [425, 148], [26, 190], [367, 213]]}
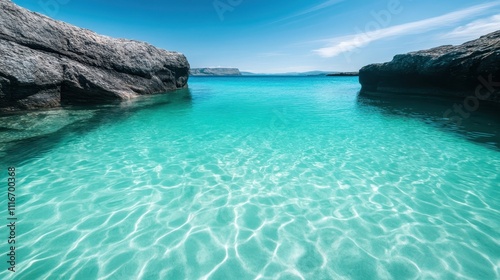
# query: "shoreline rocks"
{"points": [[470, 69], [47, 63]]}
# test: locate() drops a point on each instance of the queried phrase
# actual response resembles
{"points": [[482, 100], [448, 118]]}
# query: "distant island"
{"points": [[214, 72], [236, 72], [309, 73], [343, 74]]}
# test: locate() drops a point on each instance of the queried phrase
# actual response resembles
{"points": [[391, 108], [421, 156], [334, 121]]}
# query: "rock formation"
{"points": [[215, 72], [470, 69], [46, 63]]}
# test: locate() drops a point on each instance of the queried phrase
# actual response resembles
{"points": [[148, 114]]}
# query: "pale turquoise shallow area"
{"points": [[255, 178]]}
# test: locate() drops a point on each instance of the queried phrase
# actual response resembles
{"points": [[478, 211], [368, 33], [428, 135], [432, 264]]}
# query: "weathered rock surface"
{"points": [[46, 63], [215, 72], [470, 69]]}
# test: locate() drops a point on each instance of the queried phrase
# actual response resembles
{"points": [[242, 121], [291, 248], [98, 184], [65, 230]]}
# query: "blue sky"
{"points": [[270, 36]]}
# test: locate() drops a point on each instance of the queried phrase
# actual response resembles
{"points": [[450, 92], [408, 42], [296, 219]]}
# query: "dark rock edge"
{"points": [[468, 70]]}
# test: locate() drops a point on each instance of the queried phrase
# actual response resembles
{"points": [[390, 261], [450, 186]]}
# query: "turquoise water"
{"points": [[255, 178]]}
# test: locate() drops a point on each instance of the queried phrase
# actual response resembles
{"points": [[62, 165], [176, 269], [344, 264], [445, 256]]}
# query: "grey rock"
{"points": [[215, 72], [446, 71], [46, 63], [343, 74]]}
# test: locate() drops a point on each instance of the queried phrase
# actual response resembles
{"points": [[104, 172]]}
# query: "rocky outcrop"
{"points": [[46, 63], [215, 72], [470, 69]]}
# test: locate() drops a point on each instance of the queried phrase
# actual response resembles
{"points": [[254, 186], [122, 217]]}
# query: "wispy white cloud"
{"points": [[475, 29], [321, 6], [316, 8], [339, 45]]}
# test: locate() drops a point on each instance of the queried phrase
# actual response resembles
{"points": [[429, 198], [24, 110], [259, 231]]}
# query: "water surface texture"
{"points": [[255, 178]]}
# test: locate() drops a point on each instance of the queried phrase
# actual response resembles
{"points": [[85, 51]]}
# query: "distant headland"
{"points": [[343, 74], [215, 72], [236, 72]]}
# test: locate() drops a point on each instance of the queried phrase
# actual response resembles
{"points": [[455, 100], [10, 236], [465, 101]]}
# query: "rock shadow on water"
{"points": [[481, 126], [30, 134]]}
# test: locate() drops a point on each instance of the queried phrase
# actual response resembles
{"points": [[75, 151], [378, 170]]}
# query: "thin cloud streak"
{"points": [[321, 6], [348, 43], [318, 7], [475, 29]]}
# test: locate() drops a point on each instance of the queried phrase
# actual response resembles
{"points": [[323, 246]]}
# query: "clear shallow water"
{"points": [[255, 178]]}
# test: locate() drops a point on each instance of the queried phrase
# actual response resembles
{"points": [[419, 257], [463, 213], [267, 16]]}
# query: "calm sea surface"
{"points": [[254, 178]]}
